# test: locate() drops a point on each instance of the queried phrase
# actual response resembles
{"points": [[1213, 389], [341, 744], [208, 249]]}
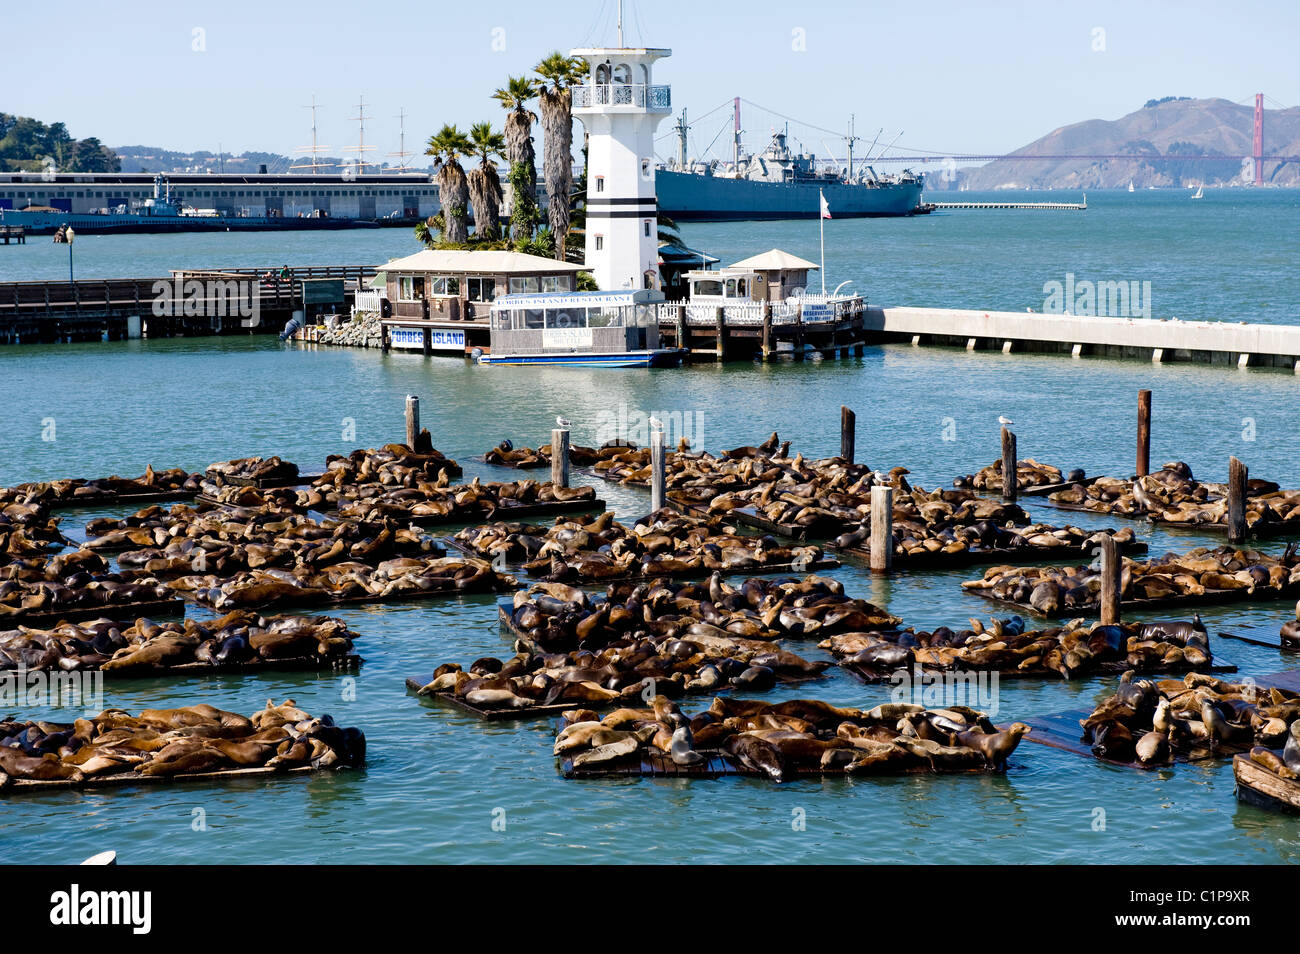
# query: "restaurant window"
{"points": [[410, 288], [444, 285], [555, 283], [522, 286], [480, 289]]}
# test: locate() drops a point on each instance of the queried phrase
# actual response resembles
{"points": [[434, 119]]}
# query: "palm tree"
{"points": [[515, 96], [560, 74], [447, 146], [484, 183]]}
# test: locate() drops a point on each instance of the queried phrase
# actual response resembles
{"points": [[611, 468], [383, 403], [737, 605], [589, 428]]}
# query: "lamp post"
{"points": [[68, 236]]}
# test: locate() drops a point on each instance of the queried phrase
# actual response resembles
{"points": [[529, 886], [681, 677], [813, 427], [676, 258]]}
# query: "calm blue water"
{"points": [[435, 776]]}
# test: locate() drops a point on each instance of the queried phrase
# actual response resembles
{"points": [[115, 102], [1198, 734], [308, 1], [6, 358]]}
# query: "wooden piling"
{"points": [[848, 433], [658, 474], [1144, 434], [560, 456], [412, 420], [427, 343], [681, 326], [1009, 475], [882, 528], [1111, 565], [383, 338], [1237, 474], [720, 318], [767, 330]]}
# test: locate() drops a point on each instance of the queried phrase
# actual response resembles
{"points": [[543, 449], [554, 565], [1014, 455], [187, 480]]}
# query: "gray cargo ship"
{"points": [[779, 183]]}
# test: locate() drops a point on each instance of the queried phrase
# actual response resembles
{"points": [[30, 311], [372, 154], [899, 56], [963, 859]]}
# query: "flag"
{"points": [[826, 209]]}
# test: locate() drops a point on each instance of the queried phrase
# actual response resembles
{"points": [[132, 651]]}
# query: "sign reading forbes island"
{"points": [[441, 339], [566, 338]]}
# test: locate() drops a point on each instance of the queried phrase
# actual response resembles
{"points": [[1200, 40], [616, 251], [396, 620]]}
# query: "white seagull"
{"points": [[562, 422], [1004, 420]]}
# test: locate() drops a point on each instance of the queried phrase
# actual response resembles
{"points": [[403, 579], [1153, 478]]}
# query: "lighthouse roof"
{"points": [[774, 260]]}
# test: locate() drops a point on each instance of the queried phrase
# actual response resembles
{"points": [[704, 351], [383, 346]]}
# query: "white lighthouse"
{"points": [[620, 106]]}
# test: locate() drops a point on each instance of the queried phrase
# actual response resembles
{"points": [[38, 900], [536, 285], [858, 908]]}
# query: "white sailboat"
{"points": [[1200, 192], [1130, 185]]}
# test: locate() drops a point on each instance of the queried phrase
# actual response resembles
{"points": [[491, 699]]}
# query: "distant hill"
{"points": [[29, 145], [1170, 126], [157, 159]]}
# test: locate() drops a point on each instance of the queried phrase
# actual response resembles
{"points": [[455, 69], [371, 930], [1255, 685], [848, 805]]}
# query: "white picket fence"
{"points": [[368, 300]]}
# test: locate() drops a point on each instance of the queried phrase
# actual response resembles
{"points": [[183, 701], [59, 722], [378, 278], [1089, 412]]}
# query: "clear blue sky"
{"points": [[951, 76]]}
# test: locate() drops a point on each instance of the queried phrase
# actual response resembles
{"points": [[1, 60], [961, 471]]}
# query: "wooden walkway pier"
{"points": [[814, 326], [13, 233], [187, 303]]}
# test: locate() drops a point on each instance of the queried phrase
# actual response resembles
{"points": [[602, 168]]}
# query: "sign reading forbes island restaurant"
{"points": [[560, 338], [441, 339]]}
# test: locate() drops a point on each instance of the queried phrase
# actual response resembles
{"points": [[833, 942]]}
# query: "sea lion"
{"points": [[682, 748]]}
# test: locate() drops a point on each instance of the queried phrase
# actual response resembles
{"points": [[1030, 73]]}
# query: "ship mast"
{"points": [[620, 25], [850, 139], [401, 153], [682, 129], [735, 145], [315, 148], [362, 148]]}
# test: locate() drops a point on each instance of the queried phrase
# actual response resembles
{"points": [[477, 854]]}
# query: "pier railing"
{"points": [[807, 308]]}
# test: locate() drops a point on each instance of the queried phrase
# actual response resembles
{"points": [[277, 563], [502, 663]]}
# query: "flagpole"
{"points": [[821, 218]]}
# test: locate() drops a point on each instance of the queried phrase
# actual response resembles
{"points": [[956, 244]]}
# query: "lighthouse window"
{"points": [[600, 242], [647, 228], [622, 73], [600, 183]]}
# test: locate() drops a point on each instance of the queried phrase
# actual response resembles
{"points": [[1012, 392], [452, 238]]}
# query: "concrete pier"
{"points": [[1211, 342], [1039, 206]]}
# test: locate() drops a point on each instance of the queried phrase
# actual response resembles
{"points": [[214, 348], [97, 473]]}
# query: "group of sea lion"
{"points": [[556, 617], [1075, 650], [694, 473], [1171, 495], [306, 585], [1055, 589], [442, 500], [636, 666], [27, 529], [80, 490], [74, 579], [785, 739], [393, 465], [506, 454], [255, 469], [1196, 717], [665, 543], [1029, 473], [146, 646], [224, 542], [172, 742]]}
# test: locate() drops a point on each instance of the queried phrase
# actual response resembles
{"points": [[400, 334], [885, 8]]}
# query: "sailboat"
{"points": [[1200, 192], [1130, 185]]}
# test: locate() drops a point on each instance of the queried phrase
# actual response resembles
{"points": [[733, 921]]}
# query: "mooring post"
{"points": [[1237, 474], [798, 332], [681, 326], [1009, 475], [1110, 573], [560, 456], [882, 528], [720, 317], [767, 329], [428, 342], [1144, 434], [848, 431], [412, 420], [383, 338], [658, 476]]}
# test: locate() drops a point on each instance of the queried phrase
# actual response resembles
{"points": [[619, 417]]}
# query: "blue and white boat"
{"points": [[579, 329]]}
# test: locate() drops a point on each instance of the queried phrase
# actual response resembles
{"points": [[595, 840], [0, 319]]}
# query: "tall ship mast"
{"points": [[779, 182]]}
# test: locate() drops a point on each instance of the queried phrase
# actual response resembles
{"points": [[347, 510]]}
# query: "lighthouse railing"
{"points": [[621, 94]]}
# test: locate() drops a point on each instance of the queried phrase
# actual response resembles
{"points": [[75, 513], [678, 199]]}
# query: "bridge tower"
{"points": [[620, 108], [1259, 138]]}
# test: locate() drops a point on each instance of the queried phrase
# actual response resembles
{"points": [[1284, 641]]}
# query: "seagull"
{"points": [[880, 477], [561, 421], [1004, 420]]}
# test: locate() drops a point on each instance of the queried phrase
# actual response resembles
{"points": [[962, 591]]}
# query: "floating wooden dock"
{"points": [[72, 614], [13, 233], [19, 785], [718, 764], [1262, 788], [1033, 206]]}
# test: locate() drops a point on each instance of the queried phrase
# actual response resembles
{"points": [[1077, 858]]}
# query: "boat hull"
{"points": [[46, 223], [659, 358], [687, 197]]}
